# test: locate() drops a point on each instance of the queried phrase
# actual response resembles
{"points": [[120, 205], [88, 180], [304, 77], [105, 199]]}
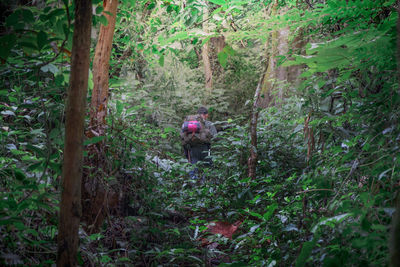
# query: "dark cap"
{"points": [[202, 110]]}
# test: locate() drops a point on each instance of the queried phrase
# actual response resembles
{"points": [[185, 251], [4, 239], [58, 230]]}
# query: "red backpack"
{"points": [[194, 131]]}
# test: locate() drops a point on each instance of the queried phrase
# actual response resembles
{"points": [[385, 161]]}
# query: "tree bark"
{"points": [[101, 65], [70, 206]]}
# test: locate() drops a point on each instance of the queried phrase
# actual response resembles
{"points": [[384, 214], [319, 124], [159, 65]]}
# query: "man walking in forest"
{"points": [[196, 135]]}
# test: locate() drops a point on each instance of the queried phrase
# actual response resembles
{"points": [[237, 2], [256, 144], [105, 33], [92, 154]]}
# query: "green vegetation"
{"points": [[327, 172]]}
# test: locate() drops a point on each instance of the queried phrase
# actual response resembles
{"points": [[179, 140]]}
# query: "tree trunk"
{"points": [[252, 161], [395, 237], [70, 206], [217, 45], [205, 53], [207, 68], [271, 47], [101, 64], [273, 88], [394, 244]]}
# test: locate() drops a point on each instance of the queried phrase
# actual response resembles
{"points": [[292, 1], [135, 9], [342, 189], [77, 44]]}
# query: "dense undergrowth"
{"points": [[328, 167]]}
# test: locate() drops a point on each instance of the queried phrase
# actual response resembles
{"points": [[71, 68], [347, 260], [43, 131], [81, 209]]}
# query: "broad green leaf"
{"points": [[28, 16], [7, 113], [222, 58], [103, 20], [99, 9], [306, 251], [218, 2], [17, 152], [180, 36], [7, 42], [169, 130], [41, 40], [56, 13], [93, 140], [13, 19], [161, 61], [90, 82], [271, 210], [120, 107], [255, 214], [49, 68], [332, 220]]}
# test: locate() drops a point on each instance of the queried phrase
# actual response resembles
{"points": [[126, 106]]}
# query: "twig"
{"points": [[144, 145], [309, 4], [313, 190], [375, 161]]}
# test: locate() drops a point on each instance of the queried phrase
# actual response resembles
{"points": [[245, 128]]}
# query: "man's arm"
{"points": [[211, 127]]}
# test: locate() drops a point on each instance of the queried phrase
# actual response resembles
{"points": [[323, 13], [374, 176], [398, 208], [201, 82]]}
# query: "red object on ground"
{"points": [[224, 228]]}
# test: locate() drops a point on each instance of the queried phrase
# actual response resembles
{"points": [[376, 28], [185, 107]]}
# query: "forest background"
{"points": [[304, 94]]}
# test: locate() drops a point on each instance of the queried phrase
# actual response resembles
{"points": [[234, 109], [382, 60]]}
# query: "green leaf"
{"points": [[56, 13], [7, 42], [180, 36], [13, 19], [32, 232], [271, 210], [161, 61], [99, 9], [255, 214], [90, 82], [330, 221], [28, 16], [222, 58], [103, 20], [41, 40], [218, 2], [169, 130], [93, 140], [49, 68], [120, 107], [17, 152], [124, 259], [34, 167], [19, 225], [105, 259], [306, 252]]}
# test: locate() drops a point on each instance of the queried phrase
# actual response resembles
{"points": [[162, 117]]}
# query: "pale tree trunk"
{"points": [[281, 75], [217, 46], [297, 45], [205, 53], [394, 244], [252, 161], [266, 95], [101, 64], [207, 68], [273, 88], [70, 206]]}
